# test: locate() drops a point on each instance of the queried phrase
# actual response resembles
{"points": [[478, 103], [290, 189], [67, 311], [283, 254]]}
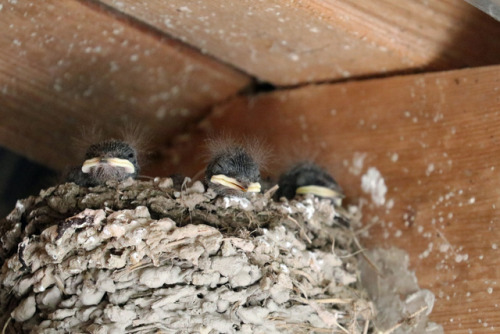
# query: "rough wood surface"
{"points": [[65, 65], [292, 42], [275, 40], [435, 140], [433, 34]]}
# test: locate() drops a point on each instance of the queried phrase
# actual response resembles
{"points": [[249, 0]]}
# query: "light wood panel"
{"points": [[435, 140], [65, 65], [433, 34], [275, 40], [293, 42]]}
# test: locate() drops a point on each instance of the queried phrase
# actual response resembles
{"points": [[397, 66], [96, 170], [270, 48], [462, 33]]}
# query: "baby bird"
{"points": [[309, 178], [107, 160], [233, 170]]}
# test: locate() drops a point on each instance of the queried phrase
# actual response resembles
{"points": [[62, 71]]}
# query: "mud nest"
{"points": [[144, 257]]}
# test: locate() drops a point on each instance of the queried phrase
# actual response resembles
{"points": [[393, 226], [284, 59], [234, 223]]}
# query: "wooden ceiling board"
{"points": [[295, 42], [65, 65], [276, 41], [432, 34]]}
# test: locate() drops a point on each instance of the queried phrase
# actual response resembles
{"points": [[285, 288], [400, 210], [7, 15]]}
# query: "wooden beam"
{"points": [[65, 65], [434, 138], [274, 40], [293, 42], [432, 34]]}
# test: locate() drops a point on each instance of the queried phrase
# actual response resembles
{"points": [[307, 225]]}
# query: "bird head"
{"points": [[308, 178], [233, 172], [110, 160]]}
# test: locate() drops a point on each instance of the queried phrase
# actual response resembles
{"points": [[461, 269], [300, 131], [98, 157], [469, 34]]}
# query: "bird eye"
{"points": [[131, 155]]}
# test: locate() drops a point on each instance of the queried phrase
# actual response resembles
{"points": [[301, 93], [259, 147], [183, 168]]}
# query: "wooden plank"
{"points": [[274, 40], [435, 140], [432, 34], [293, 42], [65, 65]]}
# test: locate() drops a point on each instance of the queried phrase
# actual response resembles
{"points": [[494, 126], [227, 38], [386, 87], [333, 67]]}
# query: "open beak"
{"points": [[319, 191], [232, 183], [114, 162]]}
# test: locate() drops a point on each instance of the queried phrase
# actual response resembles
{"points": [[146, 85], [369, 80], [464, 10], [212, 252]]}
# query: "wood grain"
{"points": [[293, 42], [274, 40], [435, 140], [433, 34], [65, 65]]}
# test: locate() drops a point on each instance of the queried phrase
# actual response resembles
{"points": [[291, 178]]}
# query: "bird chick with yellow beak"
{"points": [[232, 171], [308, 178], [107, 160]]}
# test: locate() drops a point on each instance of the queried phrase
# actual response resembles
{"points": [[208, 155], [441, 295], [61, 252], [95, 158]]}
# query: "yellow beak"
{"points": [[319, 191], [115, 162], [232, 183]]}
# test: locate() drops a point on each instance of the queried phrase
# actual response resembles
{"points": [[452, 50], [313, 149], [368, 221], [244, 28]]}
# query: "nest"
{"points": [[144, 257]]}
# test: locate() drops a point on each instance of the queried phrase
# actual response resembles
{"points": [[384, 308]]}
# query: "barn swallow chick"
{"points": [[232, 169], [107, 160], [308, 178]]}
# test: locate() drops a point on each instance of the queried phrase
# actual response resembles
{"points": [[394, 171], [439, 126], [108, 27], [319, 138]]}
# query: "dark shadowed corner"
{"points": [[20, 178]]}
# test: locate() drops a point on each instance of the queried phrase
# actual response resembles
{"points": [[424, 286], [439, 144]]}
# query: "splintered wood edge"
{"points": [[433, 141]]}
